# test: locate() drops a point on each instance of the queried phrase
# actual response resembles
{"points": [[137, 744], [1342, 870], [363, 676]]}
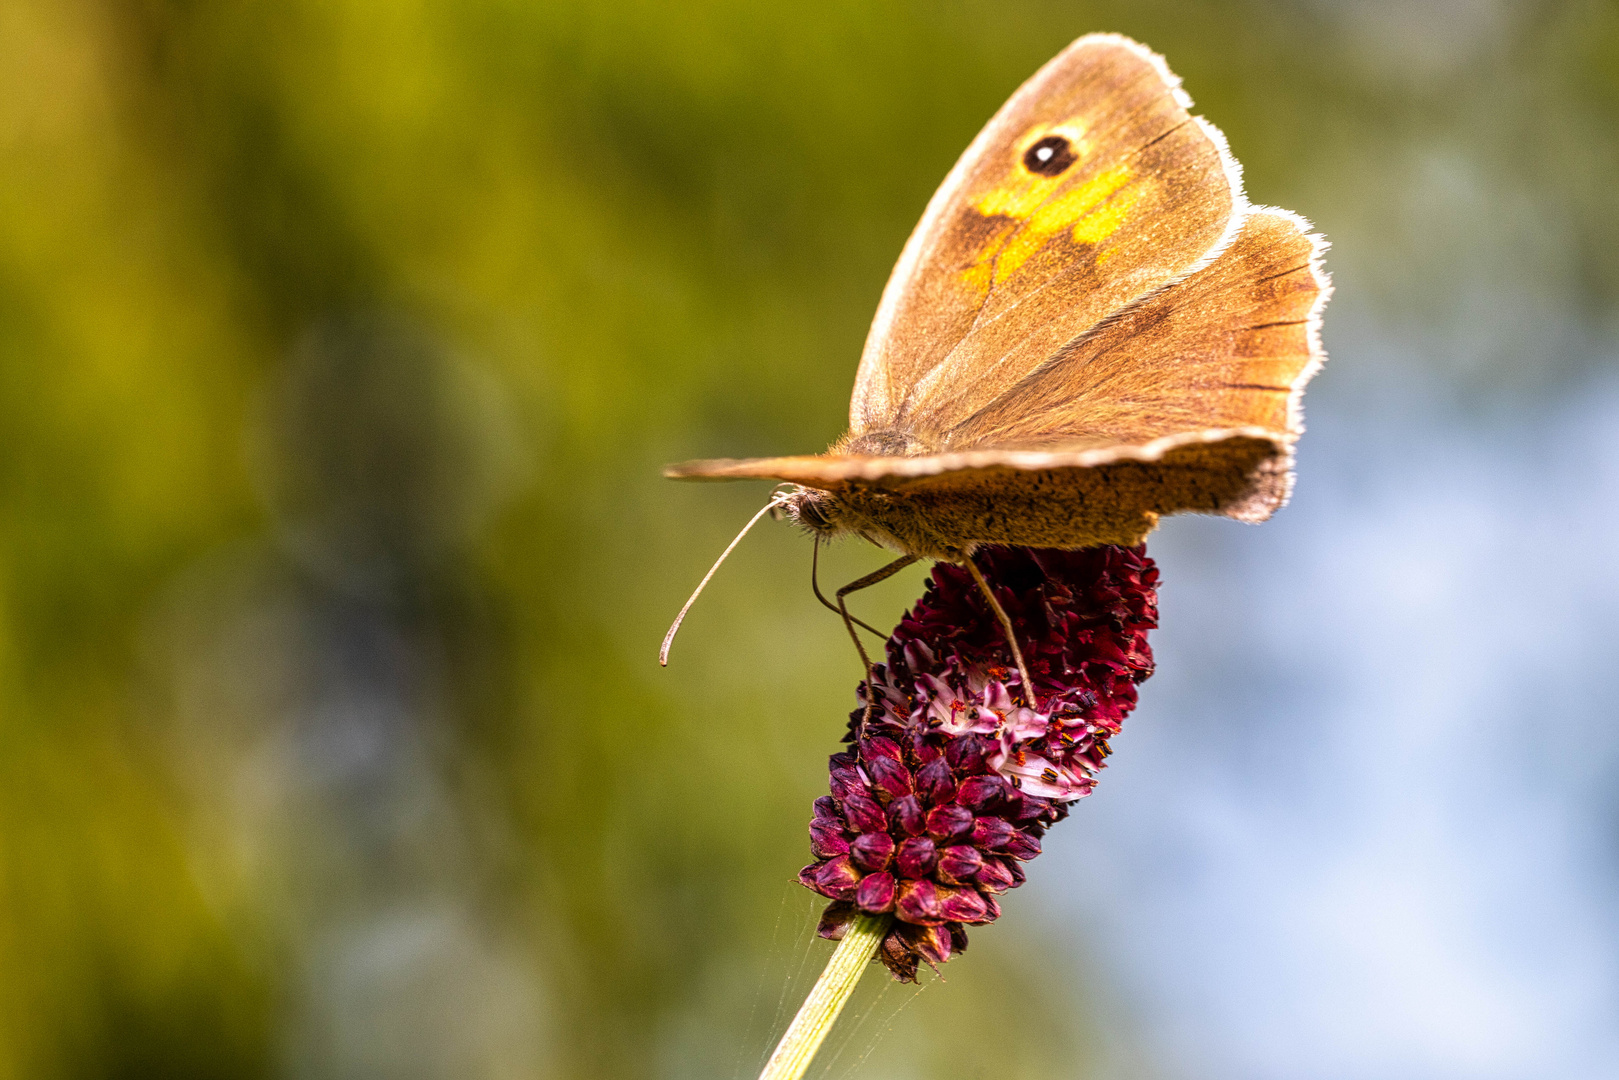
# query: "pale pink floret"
{"points": [[1035, 775], [989, 710]]}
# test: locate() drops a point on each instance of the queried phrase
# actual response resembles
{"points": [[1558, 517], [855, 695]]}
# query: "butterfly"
{"points": [[1089, 329]]}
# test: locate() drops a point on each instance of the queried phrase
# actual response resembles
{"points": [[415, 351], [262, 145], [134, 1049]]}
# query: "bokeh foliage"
{"points": [[395, 308]]}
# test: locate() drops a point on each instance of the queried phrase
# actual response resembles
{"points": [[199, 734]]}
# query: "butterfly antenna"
{"points": [[1006, 626], [669, 638]]}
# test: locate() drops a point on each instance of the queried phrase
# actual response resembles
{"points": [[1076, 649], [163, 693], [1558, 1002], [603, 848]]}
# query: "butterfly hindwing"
{"points": [[1216, 366], [1230, 346]]}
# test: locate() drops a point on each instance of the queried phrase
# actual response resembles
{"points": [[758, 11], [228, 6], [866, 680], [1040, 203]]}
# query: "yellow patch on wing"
{"points": [[1093, 211], [980, 274], [1022, 192], [1020, 196], [1086, 208], [1107, 212]]}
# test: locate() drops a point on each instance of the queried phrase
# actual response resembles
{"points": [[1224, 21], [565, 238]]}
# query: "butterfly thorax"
{"points": [[884, 517], [890, 442]]}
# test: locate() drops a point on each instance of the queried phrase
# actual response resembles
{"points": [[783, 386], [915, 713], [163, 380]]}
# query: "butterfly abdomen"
{"points": [[1041, 509], [1030, 509], [948, 515]]}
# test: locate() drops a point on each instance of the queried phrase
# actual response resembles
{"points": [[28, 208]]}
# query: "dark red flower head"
{"points": [[950, 784]]}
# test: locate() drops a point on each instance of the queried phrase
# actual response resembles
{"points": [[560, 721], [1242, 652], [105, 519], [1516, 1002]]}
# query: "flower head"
{"points": [[949, 784]]}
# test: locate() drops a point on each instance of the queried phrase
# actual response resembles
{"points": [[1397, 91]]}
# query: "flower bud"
{"points": [[991, 833], [967, 754], [827, 839], [863, 814], [959, 864], [890, 778], [994, 877], [961, 905], [876, 892], [906, 817], [917, 857], [880, 748], [980, 792], [835, 878], [826, 809], [835, 920], [949, 822], [931, 943], [872, 851], [847, 781], [1023, 846], [919, 903], [935, 782]]}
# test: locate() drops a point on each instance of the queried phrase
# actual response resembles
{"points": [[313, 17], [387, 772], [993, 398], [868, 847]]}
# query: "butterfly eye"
{"points": [[1050, 156], [811, 515]]}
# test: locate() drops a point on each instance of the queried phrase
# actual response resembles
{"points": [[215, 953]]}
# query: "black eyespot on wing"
{"points": [[1050, 156]]}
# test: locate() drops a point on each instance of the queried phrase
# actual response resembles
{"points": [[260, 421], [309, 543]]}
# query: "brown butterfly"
{"points": [[1090, 328]]}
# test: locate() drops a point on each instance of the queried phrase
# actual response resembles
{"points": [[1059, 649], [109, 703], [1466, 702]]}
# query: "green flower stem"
{"points": [[827, 998]]}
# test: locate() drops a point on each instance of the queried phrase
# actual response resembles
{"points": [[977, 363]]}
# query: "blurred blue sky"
{"points": [[1363, 824]]}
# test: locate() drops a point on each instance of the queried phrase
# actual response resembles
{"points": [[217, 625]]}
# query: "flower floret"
{"points": [[955, 769]]}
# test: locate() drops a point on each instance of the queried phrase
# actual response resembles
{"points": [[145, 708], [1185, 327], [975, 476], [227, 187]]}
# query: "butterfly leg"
{"points": [[1006, 626], [815, 586], [880, 574]]}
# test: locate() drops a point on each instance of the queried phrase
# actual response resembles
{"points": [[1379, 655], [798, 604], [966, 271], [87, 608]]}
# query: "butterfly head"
{"points": [[813, 510], [868, 514]]}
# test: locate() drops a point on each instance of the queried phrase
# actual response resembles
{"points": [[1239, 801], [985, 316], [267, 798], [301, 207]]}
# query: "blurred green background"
{"points": [[340, 345]]}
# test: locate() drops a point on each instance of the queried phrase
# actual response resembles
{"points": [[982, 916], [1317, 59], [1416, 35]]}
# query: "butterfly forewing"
{"points": [[1091, 187]]}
